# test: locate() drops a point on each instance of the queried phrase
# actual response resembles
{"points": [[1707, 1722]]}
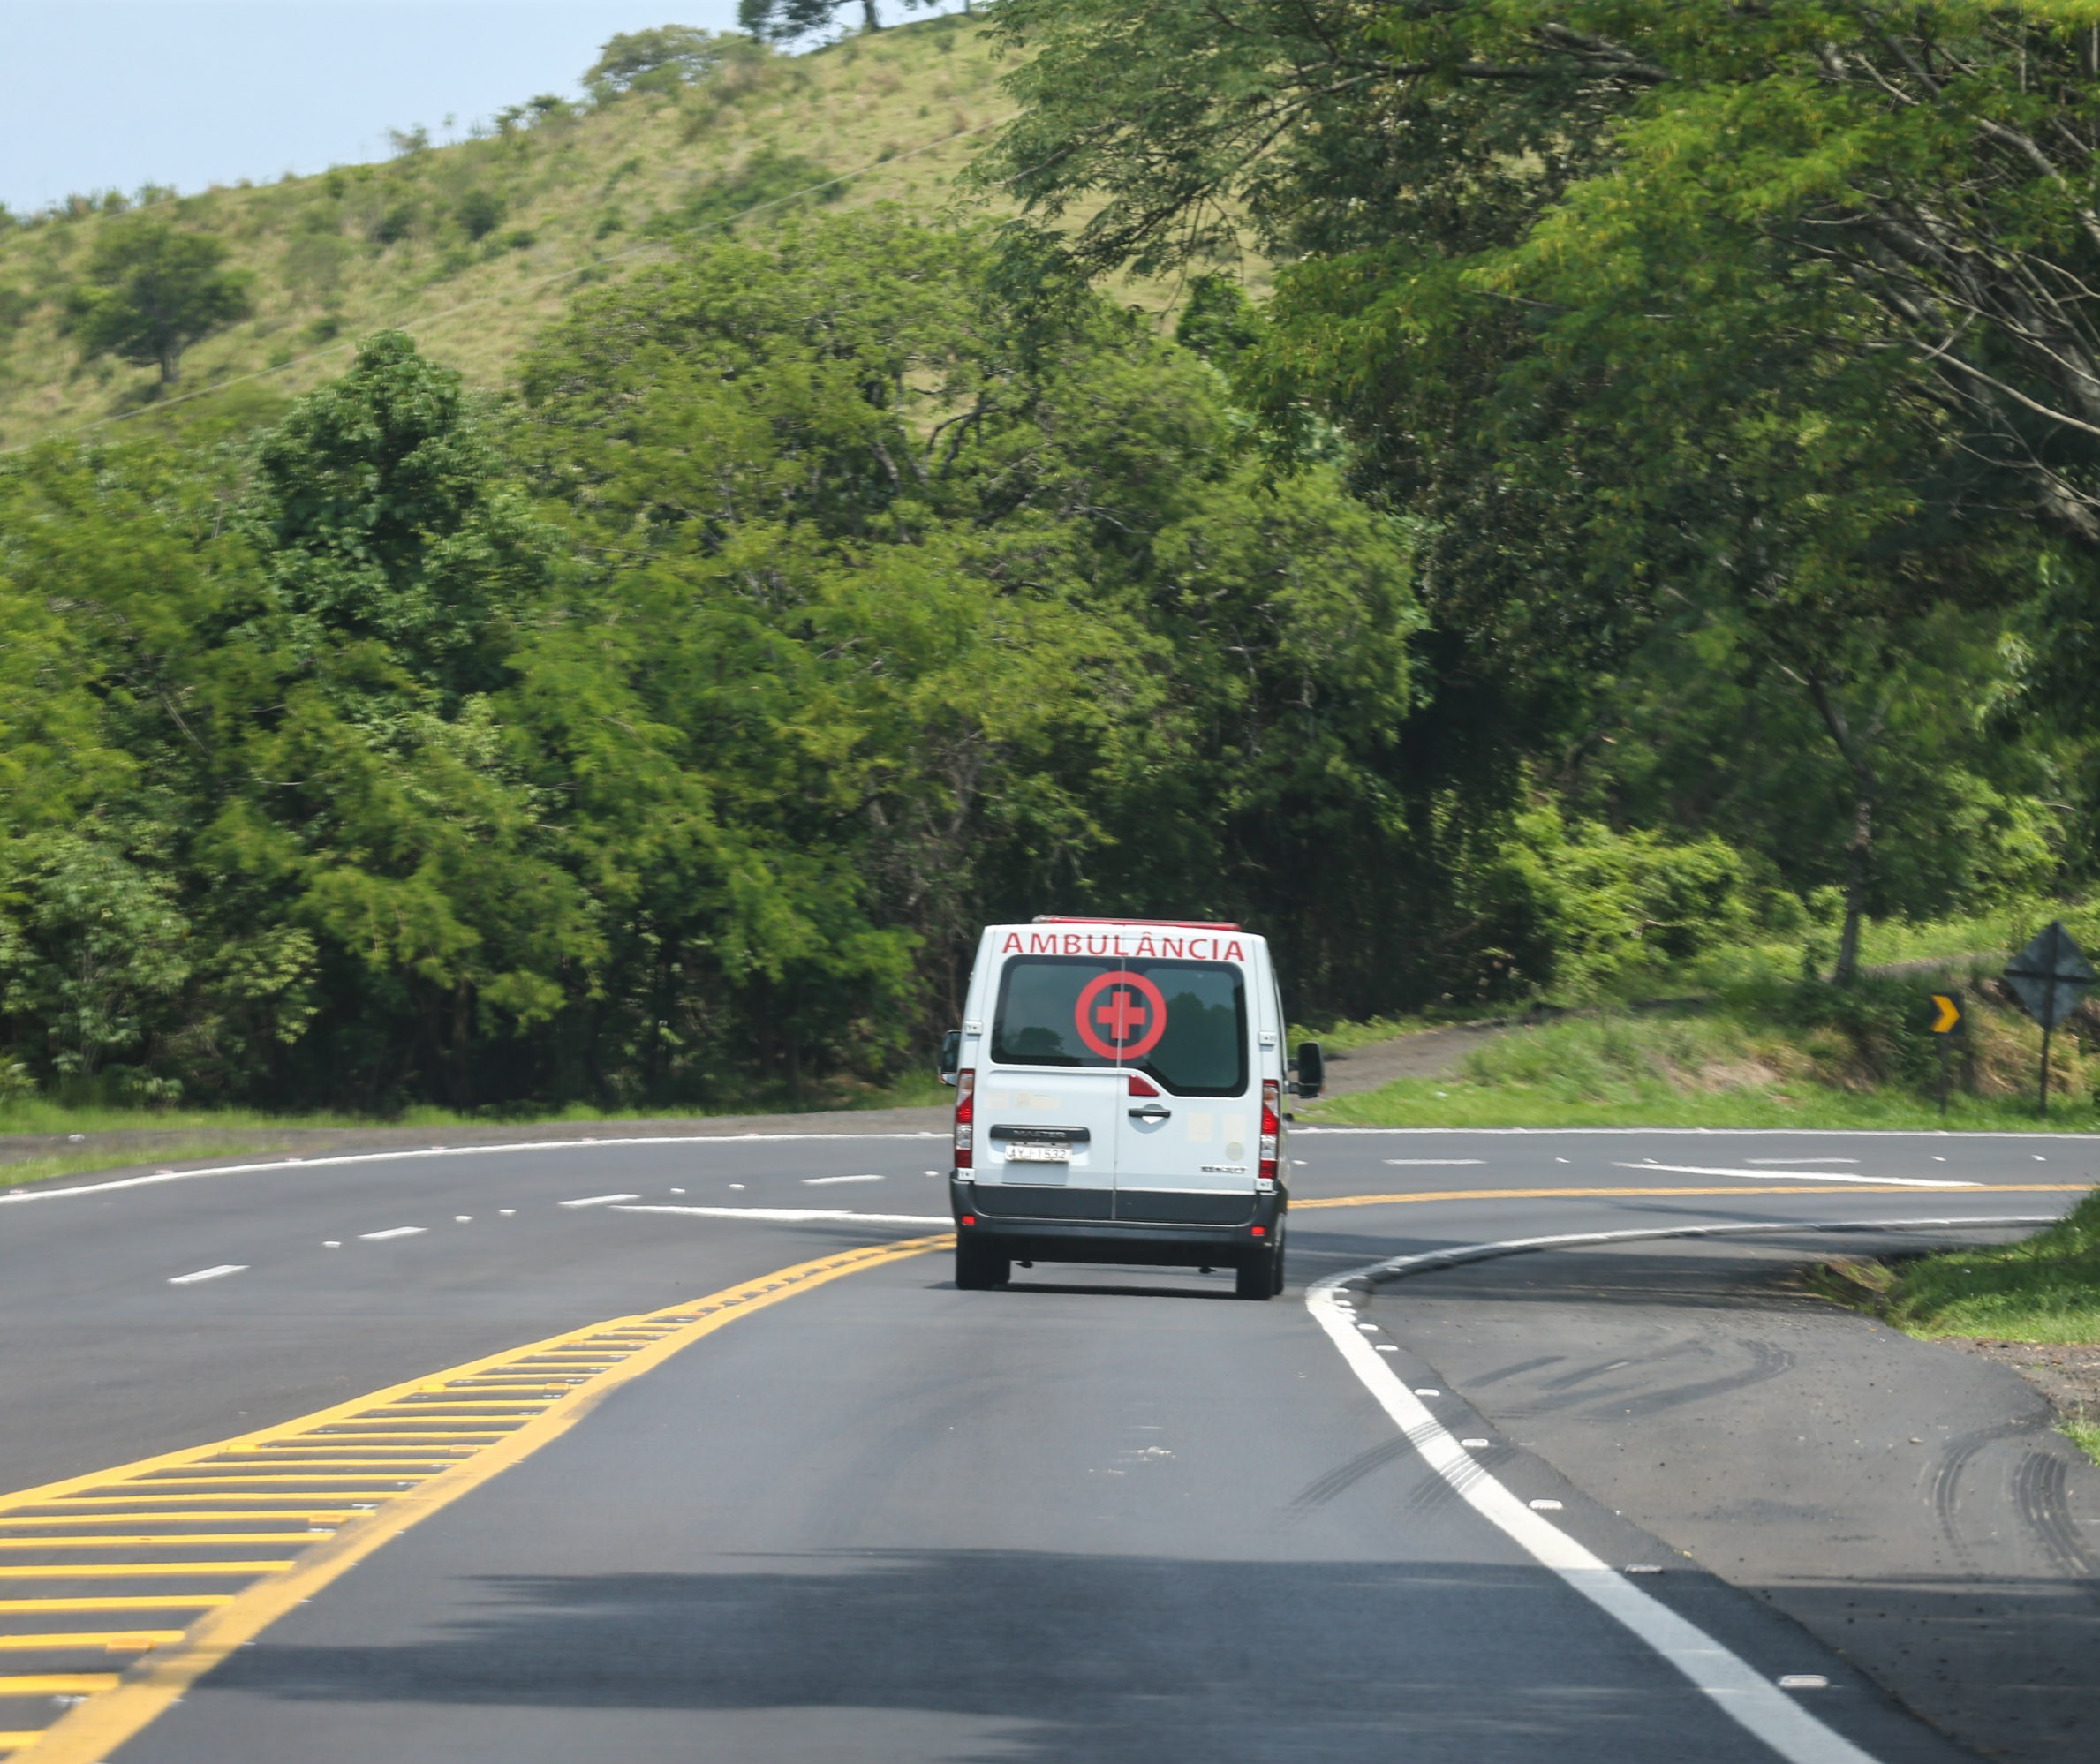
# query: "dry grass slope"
{"points": [[474, 247]]}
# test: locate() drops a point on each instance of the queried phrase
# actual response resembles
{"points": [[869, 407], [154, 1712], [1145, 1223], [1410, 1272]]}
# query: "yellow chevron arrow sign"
{"points": [[1946, 1013]]}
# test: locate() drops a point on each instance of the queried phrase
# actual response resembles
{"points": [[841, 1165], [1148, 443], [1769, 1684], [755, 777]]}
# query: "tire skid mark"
{"points": [[1345, 1476], [1768, 1363], [1954, 1461], [2041, 1486]]}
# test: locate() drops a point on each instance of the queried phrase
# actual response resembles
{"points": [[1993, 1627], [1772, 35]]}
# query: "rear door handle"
{"points": [[1152, 1112]]}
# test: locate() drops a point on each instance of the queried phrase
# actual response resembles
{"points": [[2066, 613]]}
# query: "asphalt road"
{"points": [[1103, 1514]]}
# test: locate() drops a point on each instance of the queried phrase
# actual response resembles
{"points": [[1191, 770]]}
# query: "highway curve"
{"points": [[687, 1449]]}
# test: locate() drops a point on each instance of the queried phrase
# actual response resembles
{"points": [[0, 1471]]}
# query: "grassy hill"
{"points": [[473, 246]]}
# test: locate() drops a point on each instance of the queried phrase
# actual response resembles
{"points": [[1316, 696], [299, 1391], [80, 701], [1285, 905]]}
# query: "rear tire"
{"points": [[979, 1268], [1257, 1275], [1276, 1264]]}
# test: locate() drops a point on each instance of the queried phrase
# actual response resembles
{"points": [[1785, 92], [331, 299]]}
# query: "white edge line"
{"points": [[600, 1199], [224, 1268], [1736, 1687], [795, 1215], [1804, 1176], [1400, 1266], [16, 1195]]}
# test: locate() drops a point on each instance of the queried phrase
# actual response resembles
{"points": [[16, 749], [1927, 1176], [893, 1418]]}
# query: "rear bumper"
{"points": [[1167, 1242]]}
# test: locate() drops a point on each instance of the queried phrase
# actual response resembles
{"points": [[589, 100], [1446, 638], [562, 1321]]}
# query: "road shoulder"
{"points": [[1910, 1505]]}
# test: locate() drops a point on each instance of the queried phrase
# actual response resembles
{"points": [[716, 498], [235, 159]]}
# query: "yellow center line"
{"points": [[125, 1499], [155, 1542], [407, 1461], [141, 1570], [94, 1728], [483, 1404], [259, 1480], [109, 1640], [143, 1601], [333, 1513]]}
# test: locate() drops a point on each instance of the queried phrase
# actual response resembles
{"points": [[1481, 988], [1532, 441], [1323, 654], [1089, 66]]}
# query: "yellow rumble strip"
{"points": [[195, 1515]]}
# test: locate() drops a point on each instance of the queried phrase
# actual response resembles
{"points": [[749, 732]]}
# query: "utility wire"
{"points": [[413, 325]]}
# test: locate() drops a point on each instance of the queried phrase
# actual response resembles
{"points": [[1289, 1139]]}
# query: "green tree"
{"points": [[660, 59], [93, 948], [784, 20], [152, 291], [1759, 328], [967, 612], [480, 212], [382, 512], [861, 600]]}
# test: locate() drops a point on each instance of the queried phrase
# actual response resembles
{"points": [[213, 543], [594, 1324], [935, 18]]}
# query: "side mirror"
{"points": [[1312, 1069], [951, 1055]]}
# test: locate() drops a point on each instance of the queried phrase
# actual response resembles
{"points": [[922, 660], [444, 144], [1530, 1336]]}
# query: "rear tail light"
{"points": [[1272, 1127], [966, 1119]]}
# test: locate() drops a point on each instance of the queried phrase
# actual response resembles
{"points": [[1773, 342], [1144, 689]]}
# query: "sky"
{"points": [[103, 95]]}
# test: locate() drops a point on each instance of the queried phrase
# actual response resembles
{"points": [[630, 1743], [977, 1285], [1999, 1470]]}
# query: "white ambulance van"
{"points": [[1120, 1089]]}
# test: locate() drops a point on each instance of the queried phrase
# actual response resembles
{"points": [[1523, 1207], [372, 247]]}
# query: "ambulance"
{"points": [[1120, 1097]]}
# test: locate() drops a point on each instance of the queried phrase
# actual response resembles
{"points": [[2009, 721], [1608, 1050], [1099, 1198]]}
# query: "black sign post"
{"points": [[1948, 1021], [2048, 975]]}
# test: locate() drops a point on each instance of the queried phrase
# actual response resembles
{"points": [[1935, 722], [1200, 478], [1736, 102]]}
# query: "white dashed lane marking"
{"points": [[601, 1199], [398, 1230], [829, 1181], [1434, 1163], [220, 1272]]}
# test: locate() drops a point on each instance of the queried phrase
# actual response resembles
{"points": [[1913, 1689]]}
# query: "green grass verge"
{"points": [[1456, 1102], [2085, 1435], [83, 1162], [2044, 1288], [1739, 1063], [166, 1136], [47, 1115]]}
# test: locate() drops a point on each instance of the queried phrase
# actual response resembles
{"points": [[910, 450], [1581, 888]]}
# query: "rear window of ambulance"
{"points": [[1182, 1022]]}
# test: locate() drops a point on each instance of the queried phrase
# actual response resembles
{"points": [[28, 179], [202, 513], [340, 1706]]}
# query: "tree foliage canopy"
{"points": [[662, 59], [151, 291], [671, 734], [1754, 337]]}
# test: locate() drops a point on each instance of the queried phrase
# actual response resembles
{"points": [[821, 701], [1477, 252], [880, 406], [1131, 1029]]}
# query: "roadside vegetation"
{"points": [[1764, 1049], [663, 593], [2044, 1288]]}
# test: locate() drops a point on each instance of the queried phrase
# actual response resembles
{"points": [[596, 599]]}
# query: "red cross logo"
{"points": [[1121, 1015]]}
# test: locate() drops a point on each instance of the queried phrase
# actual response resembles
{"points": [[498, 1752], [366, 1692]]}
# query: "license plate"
{"points": [[1039, 1154]]}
